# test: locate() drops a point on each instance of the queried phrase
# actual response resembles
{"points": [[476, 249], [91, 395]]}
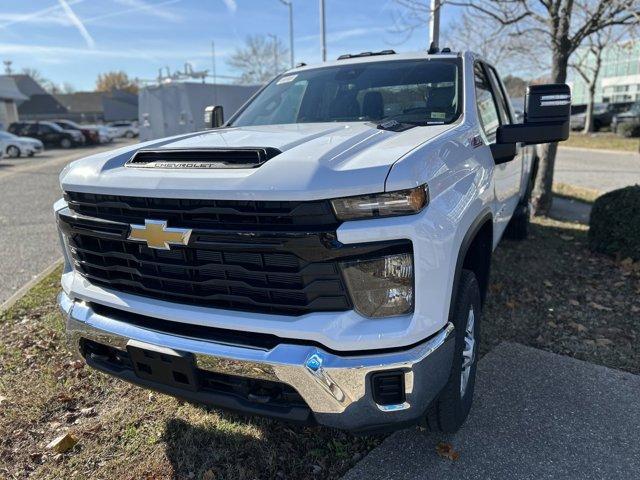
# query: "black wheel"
{"points": [[13, 151], [518, 227], [449, 411], [65, 143], [129, 134]]}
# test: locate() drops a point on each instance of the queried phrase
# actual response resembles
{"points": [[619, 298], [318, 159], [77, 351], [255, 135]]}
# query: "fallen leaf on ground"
{"points": [[63, 443], [578, 327], [445, 450], [566, 237], [88, 412], [603, 342], [597, 306], [547, 283], [573, 302], [2, 399]]}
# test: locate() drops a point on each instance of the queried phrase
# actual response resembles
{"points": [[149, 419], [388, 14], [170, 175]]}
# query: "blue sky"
{"points": [[75, 40]]}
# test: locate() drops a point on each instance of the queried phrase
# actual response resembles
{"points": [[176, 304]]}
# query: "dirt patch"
{"points": [[549, 292]]}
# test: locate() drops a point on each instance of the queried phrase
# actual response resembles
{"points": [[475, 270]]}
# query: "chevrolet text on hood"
{"points": [[321, 257]]}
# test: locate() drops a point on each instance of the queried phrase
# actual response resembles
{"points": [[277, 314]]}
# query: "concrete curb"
{"points": [[598, 150], [11, 301]]}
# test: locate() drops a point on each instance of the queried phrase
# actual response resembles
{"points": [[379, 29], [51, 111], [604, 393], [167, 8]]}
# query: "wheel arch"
{"points": [[475, 255]]}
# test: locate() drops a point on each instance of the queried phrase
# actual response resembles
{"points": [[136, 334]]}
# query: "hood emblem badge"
{"points": [[156, 234]]}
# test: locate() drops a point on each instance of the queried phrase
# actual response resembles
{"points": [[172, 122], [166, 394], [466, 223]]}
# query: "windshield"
{"points": [[419, 92]]}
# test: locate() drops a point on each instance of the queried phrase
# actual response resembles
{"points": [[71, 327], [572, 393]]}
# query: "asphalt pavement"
{"points": [[597, 169], [28, 188], [536, 415]]}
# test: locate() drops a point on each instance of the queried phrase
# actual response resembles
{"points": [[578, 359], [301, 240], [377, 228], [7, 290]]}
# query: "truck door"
{"points": [[494, 111]]}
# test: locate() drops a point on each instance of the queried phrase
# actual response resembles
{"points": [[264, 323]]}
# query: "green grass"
{"points": [[602, 141], [572, 192], [549, 291]]}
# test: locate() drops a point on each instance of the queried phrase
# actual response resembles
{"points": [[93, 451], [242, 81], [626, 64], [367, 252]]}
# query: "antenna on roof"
{"points": [[433, 49], [7, 67]]}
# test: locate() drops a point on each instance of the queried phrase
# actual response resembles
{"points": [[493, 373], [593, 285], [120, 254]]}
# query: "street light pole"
{"points": [[434, 23], [289, 4], [323, 32]]}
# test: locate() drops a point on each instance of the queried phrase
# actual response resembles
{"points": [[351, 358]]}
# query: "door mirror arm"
{"points": [[503, 152]]}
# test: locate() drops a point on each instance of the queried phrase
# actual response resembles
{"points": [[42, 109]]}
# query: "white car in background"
{"points": [[125, 129], [106, 134], [14, 146]]}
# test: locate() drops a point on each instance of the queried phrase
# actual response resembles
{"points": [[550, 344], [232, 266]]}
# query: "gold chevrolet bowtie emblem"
{"points": [[156, 234]]}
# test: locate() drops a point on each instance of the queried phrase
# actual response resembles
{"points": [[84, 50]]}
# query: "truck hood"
{"points": [[321, 160]]}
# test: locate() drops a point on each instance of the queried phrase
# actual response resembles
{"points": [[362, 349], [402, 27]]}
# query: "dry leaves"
{"points": [[445, 450], [63, 443]]}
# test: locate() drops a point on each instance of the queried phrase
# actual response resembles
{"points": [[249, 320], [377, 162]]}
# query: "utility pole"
{"points": [[289, 4], [323, 32], [434, 24]]}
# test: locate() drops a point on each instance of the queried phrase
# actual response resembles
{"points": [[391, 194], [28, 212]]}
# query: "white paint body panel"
{"points": [[326, 161]]}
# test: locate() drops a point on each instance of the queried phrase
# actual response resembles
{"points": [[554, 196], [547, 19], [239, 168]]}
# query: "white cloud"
{"points": [[154, 9], [232, 6], [45, 15], [75, 20], [341, 35]]}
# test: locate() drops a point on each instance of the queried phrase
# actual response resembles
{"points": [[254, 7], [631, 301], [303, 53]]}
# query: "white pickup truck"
{"points": [[321, 257]]}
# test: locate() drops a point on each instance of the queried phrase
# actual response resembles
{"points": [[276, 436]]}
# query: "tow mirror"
{"points": [[546, 116], [213, 116]]}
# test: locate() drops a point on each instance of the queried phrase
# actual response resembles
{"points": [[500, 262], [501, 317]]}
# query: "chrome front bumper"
{"points": [[336, 388]]}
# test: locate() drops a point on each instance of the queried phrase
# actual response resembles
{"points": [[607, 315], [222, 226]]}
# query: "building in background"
{"points": [[178, 107], [97, 107], [10, 96], [619, 79]]}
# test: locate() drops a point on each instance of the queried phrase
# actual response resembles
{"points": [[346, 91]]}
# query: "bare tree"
{"points": [[563, 25], [260, 59], [589, 63]]}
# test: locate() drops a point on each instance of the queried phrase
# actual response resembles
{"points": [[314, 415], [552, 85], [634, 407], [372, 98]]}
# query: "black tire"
{"points": [[449, 411], [13, 151], [129, 134], [66, 143], [518, 227]]}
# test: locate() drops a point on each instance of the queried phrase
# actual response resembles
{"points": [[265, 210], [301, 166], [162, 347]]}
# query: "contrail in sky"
{"points": [[73, 18]]}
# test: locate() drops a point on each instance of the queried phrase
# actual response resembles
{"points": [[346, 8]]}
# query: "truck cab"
{"points": [[320, 257]]}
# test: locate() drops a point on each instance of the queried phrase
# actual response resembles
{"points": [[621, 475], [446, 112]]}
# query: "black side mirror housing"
{"points": [[213, 116], [546, 116]]}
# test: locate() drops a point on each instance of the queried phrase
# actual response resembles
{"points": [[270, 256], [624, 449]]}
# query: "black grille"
{"points": [[202, 158], [288, 271], [188, 213]]}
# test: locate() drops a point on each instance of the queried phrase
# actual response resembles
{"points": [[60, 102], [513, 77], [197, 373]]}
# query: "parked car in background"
{"points": [[125, 129], [48, 133], [14, 146], [105, 134], [630, 116], [91, 135], [603, 114]]}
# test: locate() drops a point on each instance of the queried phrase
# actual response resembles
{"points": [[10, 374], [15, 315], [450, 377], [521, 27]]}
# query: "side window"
{"points": [[503, 106], [487, 109], [45, 129]]}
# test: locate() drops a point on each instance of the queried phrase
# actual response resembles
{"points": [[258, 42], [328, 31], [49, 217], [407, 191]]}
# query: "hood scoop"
{"points": [[196, 158]]}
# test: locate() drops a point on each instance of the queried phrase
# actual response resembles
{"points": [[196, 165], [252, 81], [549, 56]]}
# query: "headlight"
{"points": [[402, 202], [382, 287]]}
